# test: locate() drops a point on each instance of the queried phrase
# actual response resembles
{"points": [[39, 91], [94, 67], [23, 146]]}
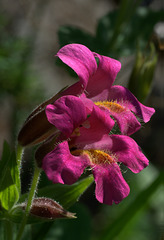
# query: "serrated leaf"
{"points": [[66, 195], [9, 178]]}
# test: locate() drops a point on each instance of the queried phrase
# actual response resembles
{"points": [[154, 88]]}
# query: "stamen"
{"points": [[96, 156], [76, 132], [112, 105]]}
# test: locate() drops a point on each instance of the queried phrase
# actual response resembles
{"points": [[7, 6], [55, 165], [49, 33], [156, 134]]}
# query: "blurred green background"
{"points": [[31, 32]]}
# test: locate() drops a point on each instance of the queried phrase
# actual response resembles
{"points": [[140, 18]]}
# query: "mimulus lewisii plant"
{"points": [[90, 144], [84, 127], [84, 117]]}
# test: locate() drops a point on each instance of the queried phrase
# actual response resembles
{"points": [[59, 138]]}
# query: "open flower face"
{"points": [[95, 82], [103, 155], [70, 113], [89, 145]]}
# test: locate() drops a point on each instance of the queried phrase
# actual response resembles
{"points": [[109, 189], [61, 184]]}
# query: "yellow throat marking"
{"points": [[113, 106], [95, 156]]}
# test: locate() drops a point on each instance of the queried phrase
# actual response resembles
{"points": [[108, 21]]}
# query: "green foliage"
{"points": [[72, 34], [142, 74], [9, 178], [64, 194], [79, 228], [141, 200], [17, 83], [117, 33], [13, 56]]}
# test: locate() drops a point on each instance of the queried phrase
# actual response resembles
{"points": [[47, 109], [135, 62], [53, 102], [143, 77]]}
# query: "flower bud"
{"points": [[36, 127], [48, 209], [142, 73]]}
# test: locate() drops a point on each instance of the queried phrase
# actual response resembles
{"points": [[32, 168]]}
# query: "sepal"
{"points": [[36, 127]]}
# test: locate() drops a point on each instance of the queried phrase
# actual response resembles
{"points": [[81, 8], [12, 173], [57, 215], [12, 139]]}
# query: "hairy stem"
{"points": [[29, 202], [20, 150]]}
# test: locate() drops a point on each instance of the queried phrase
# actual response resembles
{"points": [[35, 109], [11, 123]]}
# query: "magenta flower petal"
{"points": [[82, 61], [95, 79], [62, 167], [125, 119], [66, 163], [94, 128], [127, 122], [66, 114], [110, 184], [123, 95], [125, 150], [102, 80], [129, 153]]}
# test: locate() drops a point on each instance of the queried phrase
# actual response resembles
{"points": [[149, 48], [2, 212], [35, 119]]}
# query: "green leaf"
{"points": [[66, 195], [118, 34], [71, 34], [9, 197], [105, 31], [82, 222], [9, 178], [4, 161]]}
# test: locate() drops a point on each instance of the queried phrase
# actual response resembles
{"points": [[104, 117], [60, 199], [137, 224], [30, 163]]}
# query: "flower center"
{"points": [[95, 156], [113, 106], [76, 132]]}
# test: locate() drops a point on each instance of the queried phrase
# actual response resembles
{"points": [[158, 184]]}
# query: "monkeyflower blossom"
{"points": [[90, 145], [95, 83]]}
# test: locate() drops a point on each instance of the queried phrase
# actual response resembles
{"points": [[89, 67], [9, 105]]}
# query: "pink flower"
{"points": [[90, 145], [69, 112], [83, 117], [94, 78], [95, 82]]}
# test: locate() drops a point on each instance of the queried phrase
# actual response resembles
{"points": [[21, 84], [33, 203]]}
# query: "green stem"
{"points": [[29, 202], [20, 150], [8, 233]]}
